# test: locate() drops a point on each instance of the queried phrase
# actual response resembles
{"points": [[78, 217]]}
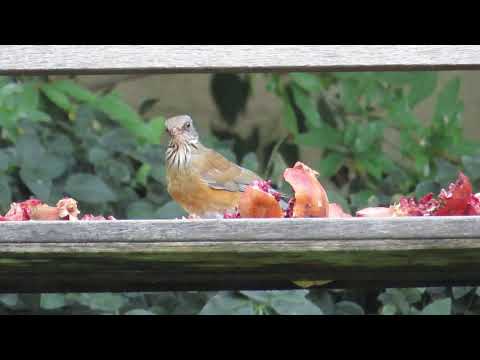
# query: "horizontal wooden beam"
{"points": [[157, 255], [93, 59]]}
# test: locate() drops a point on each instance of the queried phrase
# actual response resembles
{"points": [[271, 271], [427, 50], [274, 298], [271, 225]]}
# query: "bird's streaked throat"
{"points": [[179, 151]]}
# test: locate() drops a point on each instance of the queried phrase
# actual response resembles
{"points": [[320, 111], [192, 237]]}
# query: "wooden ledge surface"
{"points": [[244, 254]]}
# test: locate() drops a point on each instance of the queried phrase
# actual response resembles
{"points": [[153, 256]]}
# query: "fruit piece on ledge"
{"points": [[376, 212], [259, 202], [310, 199]]}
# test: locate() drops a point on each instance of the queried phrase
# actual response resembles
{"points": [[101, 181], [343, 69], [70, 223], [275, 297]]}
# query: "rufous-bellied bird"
{"points": [[201, 180]]}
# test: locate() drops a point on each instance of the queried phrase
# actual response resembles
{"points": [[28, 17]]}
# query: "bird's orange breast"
{"points": [[196, 197]]}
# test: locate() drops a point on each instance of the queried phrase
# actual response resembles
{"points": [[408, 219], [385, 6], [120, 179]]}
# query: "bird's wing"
{"points": [[221, 174]]}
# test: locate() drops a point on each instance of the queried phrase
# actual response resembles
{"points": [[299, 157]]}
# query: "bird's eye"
{"points": [[187, 125]]}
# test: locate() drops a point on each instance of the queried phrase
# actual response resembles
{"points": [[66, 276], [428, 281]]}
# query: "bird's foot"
{"points": [[209, 215], [191, 217]]}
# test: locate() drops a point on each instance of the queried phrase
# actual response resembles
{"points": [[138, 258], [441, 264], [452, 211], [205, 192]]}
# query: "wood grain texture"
{"points": [[237, 254], [92, 59]]}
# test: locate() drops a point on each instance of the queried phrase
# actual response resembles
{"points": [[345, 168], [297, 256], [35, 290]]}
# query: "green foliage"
{"points": [[59, 137], [353, 119]]}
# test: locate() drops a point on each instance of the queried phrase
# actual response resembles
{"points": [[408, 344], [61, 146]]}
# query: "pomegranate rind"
{"points": [[455, 200], [44, 212], [256, 203], [310, 199], [376, 212]]}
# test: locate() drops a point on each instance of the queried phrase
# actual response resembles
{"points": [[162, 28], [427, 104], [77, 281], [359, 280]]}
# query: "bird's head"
{"points": [[183, 140], [181, 129]]}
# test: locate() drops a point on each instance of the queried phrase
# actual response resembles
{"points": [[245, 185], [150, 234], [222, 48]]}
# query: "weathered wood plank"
{"points": [[241, 230], [92, 59], [237, 254]]}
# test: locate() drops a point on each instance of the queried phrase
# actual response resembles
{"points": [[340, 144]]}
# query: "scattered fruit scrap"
{"points": [[34, 209], [310, 199]]}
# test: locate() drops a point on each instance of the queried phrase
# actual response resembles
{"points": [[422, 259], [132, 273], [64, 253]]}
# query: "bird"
{"points": [[202, 181]]}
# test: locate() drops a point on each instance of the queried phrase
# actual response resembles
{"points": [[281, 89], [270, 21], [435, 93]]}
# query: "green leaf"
{"points": [[97, 155], [37, 116], [323, 138], [74, 90], [250, 162], [159, 174], [397, 298], [360, 200], [28, 100], [39, 186], [89, 188], [371, 164], [117, 171], [446, 172], [156, 128], [448, 103], [146, 106], [142, 174], [60, 145], [423, 85], [35, 162], [306, 105], [103, 301], [119, 140], [309, 82], [139, 312], [170, 210], [396, 78], [348, 308], [122, 113], [4, 161], [426, 187], [5, 192], [228, 304], [293, 303], [412, 295], [330, 165], [367, 136], [57, 97], [9, 300], [323, 299], [11, 89], [289, 117], [4, 80], [141, 210], [52, 301], [460, 292], [472, 166], [389, 309], [350, 95], [264, 297], [438, 307]]}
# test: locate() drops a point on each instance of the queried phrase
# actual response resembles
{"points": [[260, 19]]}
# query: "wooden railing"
{"points": [[236, 254]]}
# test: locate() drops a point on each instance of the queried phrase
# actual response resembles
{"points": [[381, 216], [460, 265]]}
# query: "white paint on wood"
{"points": [[208, 58]]}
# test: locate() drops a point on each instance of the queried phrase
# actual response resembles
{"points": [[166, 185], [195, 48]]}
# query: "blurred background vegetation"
{"points": [[372, 137]]}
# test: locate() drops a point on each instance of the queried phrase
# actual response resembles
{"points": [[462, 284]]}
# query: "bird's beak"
{"points": [[172, 132], [175, 132]]}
